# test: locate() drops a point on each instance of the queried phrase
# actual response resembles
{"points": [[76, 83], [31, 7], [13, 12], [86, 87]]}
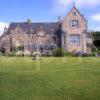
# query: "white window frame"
{"points": [[75, 39], [74, 23]]}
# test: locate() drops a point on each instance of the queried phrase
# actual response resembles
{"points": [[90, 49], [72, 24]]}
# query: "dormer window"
{"points": [[41, 33], [74, 24]]}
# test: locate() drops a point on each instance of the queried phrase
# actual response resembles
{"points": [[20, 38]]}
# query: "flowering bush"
{"points": [[27, 53], [19, 53], [36, 53]]}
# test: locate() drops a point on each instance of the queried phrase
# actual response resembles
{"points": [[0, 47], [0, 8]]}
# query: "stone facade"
{"points": [[80, 30], [70, 34]]}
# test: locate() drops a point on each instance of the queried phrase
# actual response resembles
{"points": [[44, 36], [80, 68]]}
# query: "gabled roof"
{"points": [[74, 7], [34, 27]]}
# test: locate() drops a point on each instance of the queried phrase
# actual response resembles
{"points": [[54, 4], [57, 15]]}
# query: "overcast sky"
{"points": [[47, 11]]}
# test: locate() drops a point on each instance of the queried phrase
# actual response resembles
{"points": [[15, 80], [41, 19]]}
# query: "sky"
{"points": [[47, 11]]}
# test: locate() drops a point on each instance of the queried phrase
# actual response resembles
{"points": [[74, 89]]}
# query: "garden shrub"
{"points": [[59, 52], [1, 54], [68, 54]]}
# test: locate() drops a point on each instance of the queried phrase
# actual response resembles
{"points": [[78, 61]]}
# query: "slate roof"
{"points": [[34, 27]]}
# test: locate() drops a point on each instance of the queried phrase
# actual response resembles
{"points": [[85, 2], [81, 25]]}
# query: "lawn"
{"points": [[51, 78]]}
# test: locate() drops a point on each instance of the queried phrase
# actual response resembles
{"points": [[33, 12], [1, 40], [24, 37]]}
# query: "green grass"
{"points": [[49, 79]]}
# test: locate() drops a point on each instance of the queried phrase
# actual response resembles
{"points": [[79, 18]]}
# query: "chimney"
{"points": [[5, 29], [59, 19], [29, 21]]}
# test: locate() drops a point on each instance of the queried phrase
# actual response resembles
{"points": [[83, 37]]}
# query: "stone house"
{"points": [[71, 34]]}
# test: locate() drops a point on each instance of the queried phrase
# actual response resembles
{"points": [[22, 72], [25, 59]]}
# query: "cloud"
{"points": [[88, 3], [2, 25], [96, 17], [61, 6], [80, 3]]}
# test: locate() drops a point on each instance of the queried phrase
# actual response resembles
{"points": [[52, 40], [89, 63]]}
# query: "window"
{"points": [[41, 41], [74, 24], [75, 39], [54, 39], [11, 49], [64, 39], [30, 41], [17, 43]]}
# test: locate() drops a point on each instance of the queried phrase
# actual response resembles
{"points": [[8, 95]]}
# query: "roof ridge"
{"points": [[34, 22]]}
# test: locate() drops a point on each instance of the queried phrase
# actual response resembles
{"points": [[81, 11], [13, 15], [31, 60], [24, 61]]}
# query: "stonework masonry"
{"points": [[71, 34]]}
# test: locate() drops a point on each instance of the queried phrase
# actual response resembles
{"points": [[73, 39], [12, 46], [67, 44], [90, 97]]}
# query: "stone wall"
{"points": [[18, 38], [81, 30]]}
